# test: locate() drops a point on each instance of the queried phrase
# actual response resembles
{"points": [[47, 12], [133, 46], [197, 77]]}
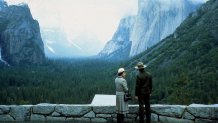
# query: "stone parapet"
{"points": [[194, 113]]}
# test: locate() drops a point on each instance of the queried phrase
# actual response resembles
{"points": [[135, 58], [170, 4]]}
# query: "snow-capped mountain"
{"points": [[155, 20], [51, 38], [57, 44], [119, 46]]}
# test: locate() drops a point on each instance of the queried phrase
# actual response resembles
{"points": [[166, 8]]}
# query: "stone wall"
{"points": [[194, 113]]}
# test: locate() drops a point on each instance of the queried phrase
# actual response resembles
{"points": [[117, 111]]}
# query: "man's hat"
{"points": [[140, 65]]}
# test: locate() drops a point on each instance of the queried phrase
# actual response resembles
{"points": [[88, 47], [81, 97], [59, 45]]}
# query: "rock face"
{"points": [[156, 19], [119, 46], [3, 20], [3, 4], [20, 38]]}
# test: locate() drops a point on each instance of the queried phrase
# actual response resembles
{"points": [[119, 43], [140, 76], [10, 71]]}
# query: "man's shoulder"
{"points": [[148, 73], [145, 72]]}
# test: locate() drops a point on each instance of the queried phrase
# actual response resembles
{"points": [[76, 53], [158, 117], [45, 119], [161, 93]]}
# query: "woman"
{"points": [[121, 89]]}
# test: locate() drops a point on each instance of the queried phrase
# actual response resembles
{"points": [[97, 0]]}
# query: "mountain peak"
{"points": [[118, 47]]}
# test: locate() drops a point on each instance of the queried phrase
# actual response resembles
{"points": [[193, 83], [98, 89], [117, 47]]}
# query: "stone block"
{"points": [[55, 114], [82, 120], [154, 117], [36, 117], [169, 110], [49, 118], [73, 110], [164, 119], [4, 118], [4, 109], [188, 116], [20, 113], [91, 114], [203, 111], [43, 109], [103, 115], [98, 120], [104, 109]]}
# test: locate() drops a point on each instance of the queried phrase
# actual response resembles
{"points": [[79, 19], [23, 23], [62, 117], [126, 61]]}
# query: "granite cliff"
{"points": [[20, 38], [119, 46], [154, 21]]}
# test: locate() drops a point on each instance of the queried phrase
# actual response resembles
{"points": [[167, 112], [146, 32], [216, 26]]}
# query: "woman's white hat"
{"points": [[140, 65], [121, 70]]}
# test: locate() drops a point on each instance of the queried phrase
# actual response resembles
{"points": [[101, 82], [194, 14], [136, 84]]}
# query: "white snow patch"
{"points": [[50, 48], [74, 44]]}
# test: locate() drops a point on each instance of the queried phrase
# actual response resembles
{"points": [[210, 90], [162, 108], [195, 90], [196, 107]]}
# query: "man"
{"points": [[143, 91]]}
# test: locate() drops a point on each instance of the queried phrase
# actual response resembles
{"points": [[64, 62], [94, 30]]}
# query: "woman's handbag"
{"points": [[127, 96]]}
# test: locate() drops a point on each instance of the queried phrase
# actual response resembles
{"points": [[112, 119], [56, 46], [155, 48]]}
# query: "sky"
{"points": [[95, 18]]}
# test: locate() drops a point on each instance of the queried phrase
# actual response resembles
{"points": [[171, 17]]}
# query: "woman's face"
{"points": [[124, 74]]}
